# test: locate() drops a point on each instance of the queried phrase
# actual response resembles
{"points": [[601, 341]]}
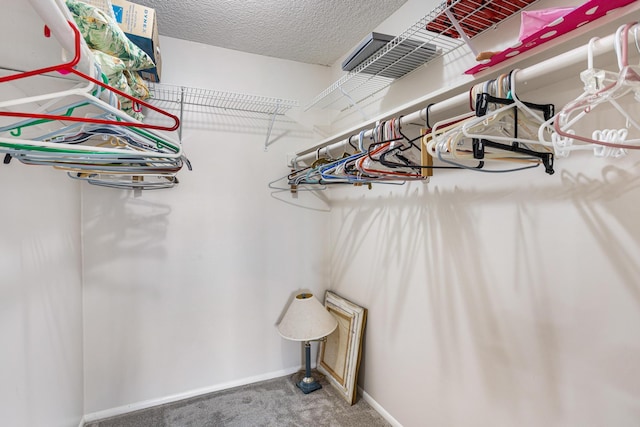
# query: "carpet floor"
{"points": [[277, 402]]}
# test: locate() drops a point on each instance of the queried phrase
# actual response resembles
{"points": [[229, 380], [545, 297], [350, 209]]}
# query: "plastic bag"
{"points": [[534, 20]]}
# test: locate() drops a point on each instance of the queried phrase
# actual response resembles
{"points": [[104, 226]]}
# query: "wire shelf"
{"points": [[218, 99], [228, 101], [447, 27]]}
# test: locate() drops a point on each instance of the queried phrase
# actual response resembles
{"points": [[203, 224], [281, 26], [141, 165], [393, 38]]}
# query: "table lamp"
{"points": [[307, 320]]}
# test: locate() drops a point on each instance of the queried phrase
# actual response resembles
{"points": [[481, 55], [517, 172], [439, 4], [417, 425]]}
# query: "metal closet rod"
{"points": [[567, 59]]}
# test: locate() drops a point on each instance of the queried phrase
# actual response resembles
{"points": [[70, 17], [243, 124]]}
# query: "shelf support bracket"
{"points": [[181, 113], [353, 103], [463, 35], [273, 119]]}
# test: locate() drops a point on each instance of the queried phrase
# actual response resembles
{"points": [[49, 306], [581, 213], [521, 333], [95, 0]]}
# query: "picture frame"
{"points": [[340, 353]]}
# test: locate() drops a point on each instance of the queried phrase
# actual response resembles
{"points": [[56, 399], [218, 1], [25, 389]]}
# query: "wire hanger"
{"points": [[127, 181], [390, 139], [409, 155]]}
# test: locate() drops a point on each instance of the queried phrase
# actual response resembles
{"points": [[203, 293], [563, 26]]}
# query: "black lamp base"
{"points": [[308, 384]]}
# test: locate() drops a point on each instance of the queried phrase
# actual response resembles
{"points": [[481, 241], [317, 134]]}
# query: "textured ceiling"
{"points": [[311, 31]]}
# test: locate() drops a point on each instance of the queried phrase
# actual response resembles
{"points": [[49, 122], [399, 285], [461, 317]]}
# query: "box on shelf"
{"points": [[141, 26]]}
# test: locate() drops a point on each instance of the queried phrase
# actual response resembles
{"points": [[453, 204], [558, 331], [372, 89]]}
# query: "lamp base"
{"points": [[308, 384]]}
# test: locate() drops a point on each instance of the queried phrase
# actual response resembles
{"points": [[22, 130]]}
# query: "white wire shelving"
{"points": [[183, 96], [449, 26]]}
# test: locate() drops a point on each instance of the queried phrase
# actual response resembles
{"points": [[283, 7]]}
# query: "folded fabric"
{"points": [[105, 5], [109, 64], [131, 83], [101, 32], [124, 80], [137, 84]]}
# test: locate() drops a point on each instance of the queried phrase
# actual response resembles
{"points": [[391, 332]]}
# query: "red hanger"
{"points": [[66, 68]]}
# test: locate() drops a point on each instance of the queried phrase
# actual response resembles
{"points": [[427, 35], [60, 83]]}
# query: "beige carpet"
{"points": [[276, 402]]}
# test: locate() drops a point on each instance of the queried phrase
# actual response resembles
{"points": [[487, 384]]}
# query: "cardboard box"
{"points": [[139, 23]]}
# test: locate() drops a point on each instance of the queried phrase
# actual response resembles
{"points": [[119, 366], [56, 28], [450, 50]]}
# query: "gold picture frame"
{"points": [[339, 355]]}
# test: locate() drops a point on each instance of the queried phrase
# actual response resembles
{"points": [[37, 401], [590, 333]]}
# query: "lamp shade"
{"points": [[306, 319]]}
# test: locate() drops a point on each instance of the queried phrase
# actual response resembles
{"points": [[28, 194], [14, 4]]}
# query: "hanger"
{"points": [[503, 128], [72, 141], [408, 154], [514, 123], [449, 144], [67, 68], [117, 154], [16, 128], [391, 139], [144, 144], [594, 80], [106, 147], [125, 181], [601, 90], [349, 168], [516, 118], [309, 175]]}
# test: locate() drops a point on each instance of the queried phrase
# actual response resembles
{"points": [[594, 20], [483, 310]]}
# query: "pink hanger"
{"points": [[586, 103], [66, 68]]}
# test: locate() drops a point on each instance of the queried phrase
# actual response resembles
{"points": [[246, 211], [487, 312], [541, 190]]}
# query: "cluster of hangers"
{"points": [[82, 131], [572, 128], [391, 156], [496, 136], [501, 133]]}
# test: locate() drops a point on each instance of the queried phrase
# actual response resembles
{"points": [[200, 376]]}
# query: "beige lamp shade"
{"points": [[306, 319]]}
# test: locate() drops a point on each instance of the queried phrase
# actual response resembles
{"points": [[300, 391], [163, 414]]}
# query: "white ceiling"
{"points": [[310, 31]]}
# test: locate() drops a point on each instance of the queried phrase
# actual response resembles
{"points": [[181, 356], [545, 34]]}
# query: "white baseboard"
{"points": [[378, 408], [120, 410]]}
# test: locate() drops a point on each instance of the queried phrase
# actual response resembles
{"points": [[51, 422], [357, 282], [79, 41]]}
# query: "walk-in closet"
{"points": [[465, 172]]}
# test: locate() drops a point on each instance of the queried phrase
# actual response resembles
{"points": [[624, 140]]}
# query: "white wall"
{"points": [[41, 299], [498, 300], [40, 262], [183, 287], [492, 300]]}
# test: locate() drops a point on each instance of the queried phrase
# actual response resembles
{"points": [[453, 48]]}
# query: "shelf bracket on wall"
{"points": [[461, 32], [353, 103], [181, 113], [273, 119]]}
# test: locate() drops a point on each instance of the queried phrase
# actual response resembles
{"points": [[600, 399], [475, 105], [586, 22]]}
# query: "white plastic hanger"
{"points": [[601, 89]]}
